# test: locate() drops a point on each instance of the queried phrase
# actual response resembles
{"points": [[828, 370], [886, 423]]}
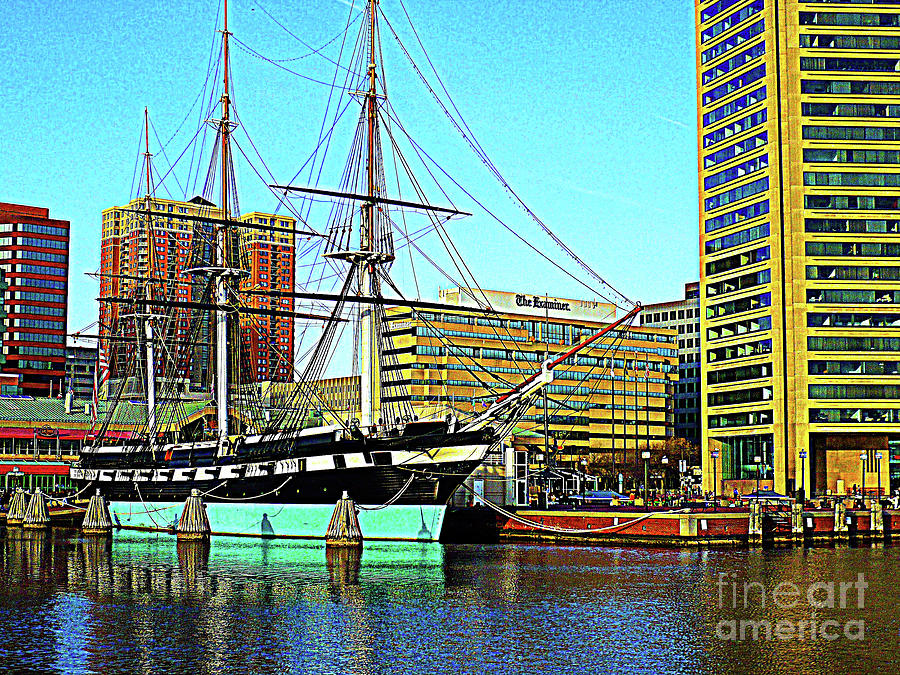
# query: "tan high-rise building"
{"points": [[127, 262], [799, 161]]}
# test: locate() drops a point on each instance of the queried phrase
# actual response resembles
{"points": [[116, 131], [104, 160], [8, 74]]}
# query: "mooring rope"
{"points": [[390, 501], [64, 501], [141, 497], [563, 530], [89, 483]]}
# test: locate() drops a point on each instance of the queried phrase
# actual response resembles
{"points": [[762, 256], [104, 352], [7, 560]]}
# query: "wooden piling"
{"points": [[193, 523], [755, 533], [877, 521], [97, 521], [343, 530], [16, 514], [841, 527], [797, 522], [36, 515]]}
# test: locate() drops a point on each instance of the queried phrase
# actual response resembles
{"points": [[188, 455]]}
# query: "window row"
{"points": [[841, 225], [851, 156], [735, 83], [850, 110], [41, 256], [28, 350], [738, 260], [734, 62], [734, 128], [828, 41], [737, 194], [739, 306], [854, 416], [852, 273], [35, 242], [752, 418], [715, 8], [853, 248], [735, 106], [852, 344], [737, 239], [852, 202], [854, 391], [34, 228], [671, 315], [733, 41], [843, 64], [35, 310], [739, 283], [854, 367], [852, 320], [35, 337], [867, 87], [739, 396], [739, 148], [737, 216], [817, 133], [37, 323], [834, 179], [739, 373], [737, 171], [40, 269], [848, 19], [731, 21], [744, 327], [740, 351], [852, 297]]}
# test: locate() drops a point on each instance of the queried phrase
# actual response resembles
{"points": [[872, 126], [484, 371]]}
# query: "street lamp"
{"points": [[665, 466], [715, 459], [645, 455], [757, 459], [583, 479], [862, 474], [801, 493], [878, 456]]}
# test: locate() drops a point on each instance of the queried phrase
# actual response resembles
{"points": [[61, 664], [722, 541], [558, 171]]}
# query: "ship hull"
{"points": [[402, 487], [422, 522]]}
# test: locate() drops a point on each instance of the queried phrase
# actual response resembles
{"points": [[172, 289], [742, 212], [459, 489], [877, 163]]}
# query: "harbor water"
{"points": [[143, 603]]}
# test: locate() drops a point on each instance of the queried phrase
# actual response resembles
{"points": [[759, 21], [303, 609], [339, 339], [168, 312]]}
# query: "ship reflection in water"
{"points": [[143, 602]]}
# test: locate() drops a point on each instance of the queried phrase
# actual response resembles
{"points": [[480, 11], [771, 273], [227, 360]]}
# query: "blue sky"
{"points": [[588, 108]]}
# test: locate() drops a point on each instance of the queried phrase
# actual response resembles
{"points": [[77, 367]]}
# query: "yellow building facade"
{"points": [[799, 163], [617, 393]]}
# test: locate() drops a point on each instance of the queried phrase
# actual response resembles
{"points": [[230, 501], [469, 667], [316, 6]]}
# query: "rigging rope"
{"points": [[470, 140]]}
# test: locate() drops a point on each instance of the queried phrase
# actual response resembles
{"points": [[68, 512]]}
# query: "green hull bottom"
{"points": [[306, 521]]}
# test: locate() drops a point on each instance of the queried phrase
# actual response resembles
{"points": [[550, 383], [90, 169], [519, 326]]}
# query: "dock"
{"points": [[724, 527]]}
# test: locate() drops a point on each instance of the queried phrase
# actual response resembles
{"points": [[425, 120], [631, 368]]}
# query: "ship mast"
{"points": [[221, 257], [370, 348], [146, 318]]}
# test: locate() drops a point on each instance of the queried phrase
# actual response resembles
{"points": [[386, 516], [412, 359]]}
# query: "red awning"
{"points": [[41, 469]]}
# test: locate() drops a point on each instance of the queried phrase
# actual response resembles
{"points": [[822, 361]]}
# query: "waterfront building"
{"points": [[799, 160], [683, 316], [269, 339], [81, 362], [34, 260], [39, 438], [617, 394], [128, 265]]}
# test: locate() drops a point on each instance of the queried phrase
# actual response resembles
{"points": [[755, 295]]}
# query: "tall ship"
{"points": [[181, 410]]}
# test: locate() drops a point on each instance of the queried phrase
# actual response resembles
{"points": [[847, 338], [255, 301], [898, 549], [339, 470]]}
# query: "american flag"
{"points": [[101, 376]]}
